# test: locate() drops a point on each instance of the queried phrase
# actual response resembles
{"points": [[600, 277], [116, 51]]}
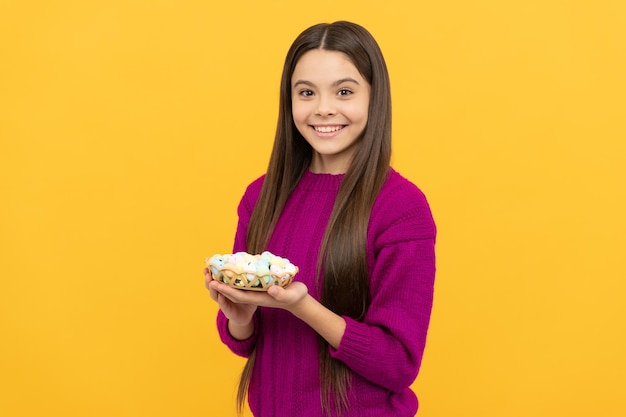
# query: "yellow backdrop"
{"points": [[129, 130]]}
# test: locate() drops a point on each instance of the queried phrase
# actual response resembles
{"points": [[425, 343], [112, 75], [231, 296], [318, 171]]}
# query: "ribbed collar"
{"points": [[321, 182]]}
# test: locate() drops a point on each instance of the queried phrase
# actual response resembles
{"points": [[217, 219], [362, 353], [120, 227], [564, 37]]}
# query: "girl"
{"points": [[346, 337]]}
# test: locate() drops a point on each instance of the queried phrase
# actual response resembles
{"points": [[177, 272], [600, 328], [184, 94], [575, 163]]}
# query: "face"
{"points": [[330, 101]]}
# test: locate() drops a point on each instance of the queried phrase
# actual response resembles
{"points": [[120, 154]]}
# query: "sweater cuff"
{"points": [[239, 347], [354, 348]]}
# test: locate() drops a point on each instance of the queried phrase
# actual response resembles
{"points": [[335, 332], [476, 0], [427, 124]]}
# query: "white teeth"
{"points": [[327, 129]]}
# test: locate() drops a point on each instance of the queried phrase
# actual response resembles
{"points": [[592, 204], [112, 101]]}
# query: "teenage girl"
{"points": [[346, 338]]}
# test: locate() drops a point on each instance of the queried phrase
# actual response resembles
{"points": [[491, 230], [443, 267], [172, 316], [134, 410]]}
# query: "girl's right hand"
{"points": [[237, 313]]}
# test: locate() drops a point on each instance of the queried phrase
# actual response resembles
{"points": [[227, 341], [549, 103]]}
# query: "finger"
{"points": [[213, 287], [216, 285], [239, 296], [276, 292], [225, 291], [207, 277], [221, 301]]}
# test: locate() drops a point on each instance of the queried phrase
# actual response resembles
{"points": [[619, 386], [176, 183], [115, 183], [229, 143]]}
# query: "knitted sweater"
{"points": [[384, 350]]}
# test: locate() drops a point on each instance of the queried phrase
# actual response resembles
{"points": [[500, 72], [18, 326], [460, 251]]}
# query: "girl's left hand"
{"points": [[278, 297]]}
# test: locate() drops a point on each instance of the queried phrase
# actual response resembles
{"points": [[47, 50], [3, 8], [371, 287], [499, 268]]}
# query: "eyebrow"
{"points": [[334, 84]]}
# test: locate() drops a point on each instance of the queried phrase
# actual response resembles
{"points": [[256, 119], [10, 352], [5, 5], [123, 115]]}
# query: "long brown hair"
{"points": [[342, 258]]}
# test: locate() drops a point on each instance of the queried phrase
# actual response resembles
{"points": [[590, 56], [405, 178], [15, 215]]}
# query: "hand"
{"points": [[278, 297], [240, 314], [239, 307]]}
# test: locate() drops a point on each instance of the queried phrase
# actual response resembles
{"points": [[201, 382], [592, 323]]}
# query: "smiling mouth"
{"points": [[328, 129]]}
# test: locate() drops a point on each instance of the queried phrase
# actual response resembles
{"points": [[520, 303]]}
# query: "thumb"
{"points": [[275, 292]]}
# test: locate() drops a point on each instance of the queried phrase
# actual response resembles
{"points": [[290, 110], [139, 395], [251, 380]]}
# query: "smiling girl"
{"points": [[346, 338]]}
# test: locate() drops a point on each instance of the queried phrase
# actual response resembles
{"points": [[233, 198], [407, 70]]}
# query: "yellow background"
{"points": [[129, 130]]}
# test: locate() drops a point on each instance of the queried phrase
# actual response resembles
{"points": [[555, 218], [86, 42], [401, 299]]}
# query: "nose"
{"points": [[325, 106]]}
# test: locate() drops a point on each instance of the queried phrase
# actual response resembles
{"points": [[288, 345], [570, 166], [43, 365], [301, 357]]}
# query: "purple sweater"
{"points": [[384, 351]]}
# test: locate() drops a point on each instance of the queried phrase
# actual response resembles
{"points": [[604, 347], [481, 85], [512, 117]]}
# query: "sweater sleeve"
{"points": [[386, 348], [246, 206]]}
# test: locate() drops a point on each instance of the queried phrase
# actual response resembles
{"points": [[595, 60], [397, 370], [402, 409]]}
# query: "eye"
{"points": [[305, 93], [344, 92]]}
